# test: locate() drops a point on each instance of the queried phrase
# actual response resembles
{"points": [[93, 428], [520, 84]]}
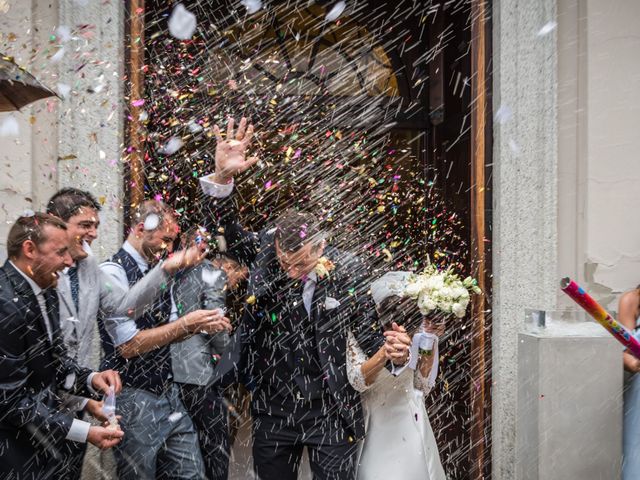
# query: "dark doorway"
{"points": [[366, 119]]}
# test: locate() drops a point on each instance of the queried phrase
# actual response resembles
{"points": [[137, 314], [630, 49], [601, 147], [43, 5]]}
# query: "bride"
{"points": [[399, 441]]}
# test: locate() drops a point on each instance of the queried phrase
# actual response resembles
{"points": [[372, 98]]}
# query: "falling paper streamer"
{"points": [[172, 146], [194, 127], [593, 308], [210, 277], [9, 127], [182, 23], [335, 12], [56, 57], [547, 28], [64, 90], [174, 417], [87, 248], [252, 6], [515, 148], [151, 222], [504, 114], [63, 33]]}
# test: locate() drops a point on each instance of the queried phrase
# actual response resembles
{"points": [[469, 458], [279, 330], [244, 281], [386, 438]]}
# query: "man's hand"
{"points": [[205, 321], [94, 408], [231, 154], [397, 345], [186, 258], [104, 438], [103, 380]]}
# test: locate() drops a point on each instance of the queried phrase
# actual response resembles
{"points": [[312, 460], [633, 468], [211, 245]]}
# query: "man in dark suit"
{"points": [[304, 299], [34, 365]]}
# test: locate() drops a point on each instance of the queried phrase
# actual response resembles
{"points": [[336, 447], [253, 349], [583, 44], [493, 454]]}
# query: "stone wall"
{"points": [[525, 196]]}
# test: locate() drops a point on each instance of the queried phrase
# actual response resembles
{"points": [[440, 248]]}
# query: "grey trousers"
{"points": [[160, 440]]}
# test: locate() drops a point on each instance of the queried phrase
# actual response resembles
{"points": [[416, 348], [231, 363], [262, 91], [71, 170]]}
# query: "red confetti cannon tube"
{"points": [[593, 308]]}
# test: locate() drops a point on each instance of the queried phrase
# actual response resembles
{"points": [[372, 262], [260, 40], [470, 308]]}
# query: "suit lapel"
{"points": [[25, 293]]}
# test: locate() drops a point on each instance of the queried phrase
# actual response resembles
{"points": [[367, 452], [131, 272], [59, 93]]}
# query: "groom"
{"points": [[292, 337]]}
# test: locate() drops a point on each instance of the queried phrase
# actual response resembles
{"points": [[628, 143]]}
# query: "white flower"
{"points": [[425, 303], [460, 293], [458, 310], [413, 289], [446, 292], [435, 282]]}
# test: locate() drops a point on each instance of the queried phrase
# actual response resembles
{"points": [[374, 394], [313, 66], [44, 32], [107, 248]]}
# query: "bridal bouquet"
{"points": [[440, 291]]}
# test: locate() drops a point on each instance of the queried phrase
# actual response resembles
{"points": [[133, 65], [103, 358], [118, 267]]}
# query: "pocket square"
{"points": [[331, 303]]}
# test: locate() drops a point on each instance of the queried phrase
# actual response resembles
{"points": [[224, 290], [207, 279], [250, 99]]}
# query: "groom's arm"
{"points": [[230, 161], [220, 215]]}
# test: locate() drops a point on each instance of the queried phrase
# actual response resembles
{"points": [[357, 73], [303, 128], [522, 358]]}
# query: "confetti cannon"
{"points": [[593, 308]]}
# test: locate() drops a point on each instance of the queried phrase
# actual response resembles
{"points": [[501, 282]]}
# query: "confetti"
{"points": [[9, 127], [172, 146], [151, 222], [182, 23], [335, 12], [547, 28], [252, 6]]}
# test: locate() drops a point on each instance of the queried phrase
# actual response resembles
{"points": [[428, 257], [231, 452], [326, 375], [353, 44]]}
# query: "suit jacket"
{"points": [[98, 292], [200, 287], [32, 370], [347, 286]]}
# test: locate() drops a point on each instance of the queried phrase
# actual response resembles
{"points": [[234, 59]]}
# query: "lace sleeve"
{"points": [[355, 358], [421, 383]]}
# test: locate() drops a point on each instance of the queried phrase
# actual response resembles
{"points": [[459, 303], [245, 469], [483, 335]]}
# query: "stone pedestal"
{"points": [[569, 406]]}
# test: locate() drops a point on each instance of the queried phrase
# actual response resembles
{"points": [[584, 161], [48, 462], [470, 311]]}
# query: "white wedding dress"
{"points": [[399, 442]]}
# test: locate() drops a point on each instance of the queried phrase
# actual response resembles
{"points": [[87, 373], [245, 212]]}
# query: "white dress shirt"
{"points": [[79, 429], [123, 329]]}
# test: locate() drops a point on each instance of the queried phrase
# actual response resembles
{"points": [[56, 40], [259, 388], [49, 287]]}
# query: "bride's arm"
{"points": [[361, 370], [421, 376]]}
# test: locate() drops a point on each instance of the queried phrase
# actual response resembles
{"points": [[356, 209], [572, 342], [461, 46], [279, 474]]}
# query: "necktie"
{"points": [[307, 294], [75, 285]]}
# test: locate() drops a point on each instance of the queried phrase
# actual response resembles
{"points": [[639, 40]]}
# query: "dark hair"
{"points": [[294, 229], [66, 202], [30, 228]]}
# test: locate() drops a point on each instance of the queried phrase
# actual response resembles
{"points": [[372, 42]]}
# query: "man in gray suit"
{"points": [[84, 289], [204, 286]]}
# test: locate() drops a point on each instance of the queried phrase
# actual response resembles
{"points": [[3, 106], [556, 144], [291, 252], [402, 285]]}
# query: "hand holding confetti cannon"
{"points": [[594, 309]]}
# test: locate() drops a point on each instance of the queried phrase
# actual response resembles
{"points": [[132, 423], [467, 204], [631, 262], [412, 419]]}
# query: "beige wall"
{"points": [[72, 142], [599, 144], [29, 161]]}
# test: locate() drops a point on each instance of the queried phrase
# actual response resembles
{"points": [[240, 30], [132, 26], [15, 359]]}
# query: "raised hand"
{"points": [[231, 153]]}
